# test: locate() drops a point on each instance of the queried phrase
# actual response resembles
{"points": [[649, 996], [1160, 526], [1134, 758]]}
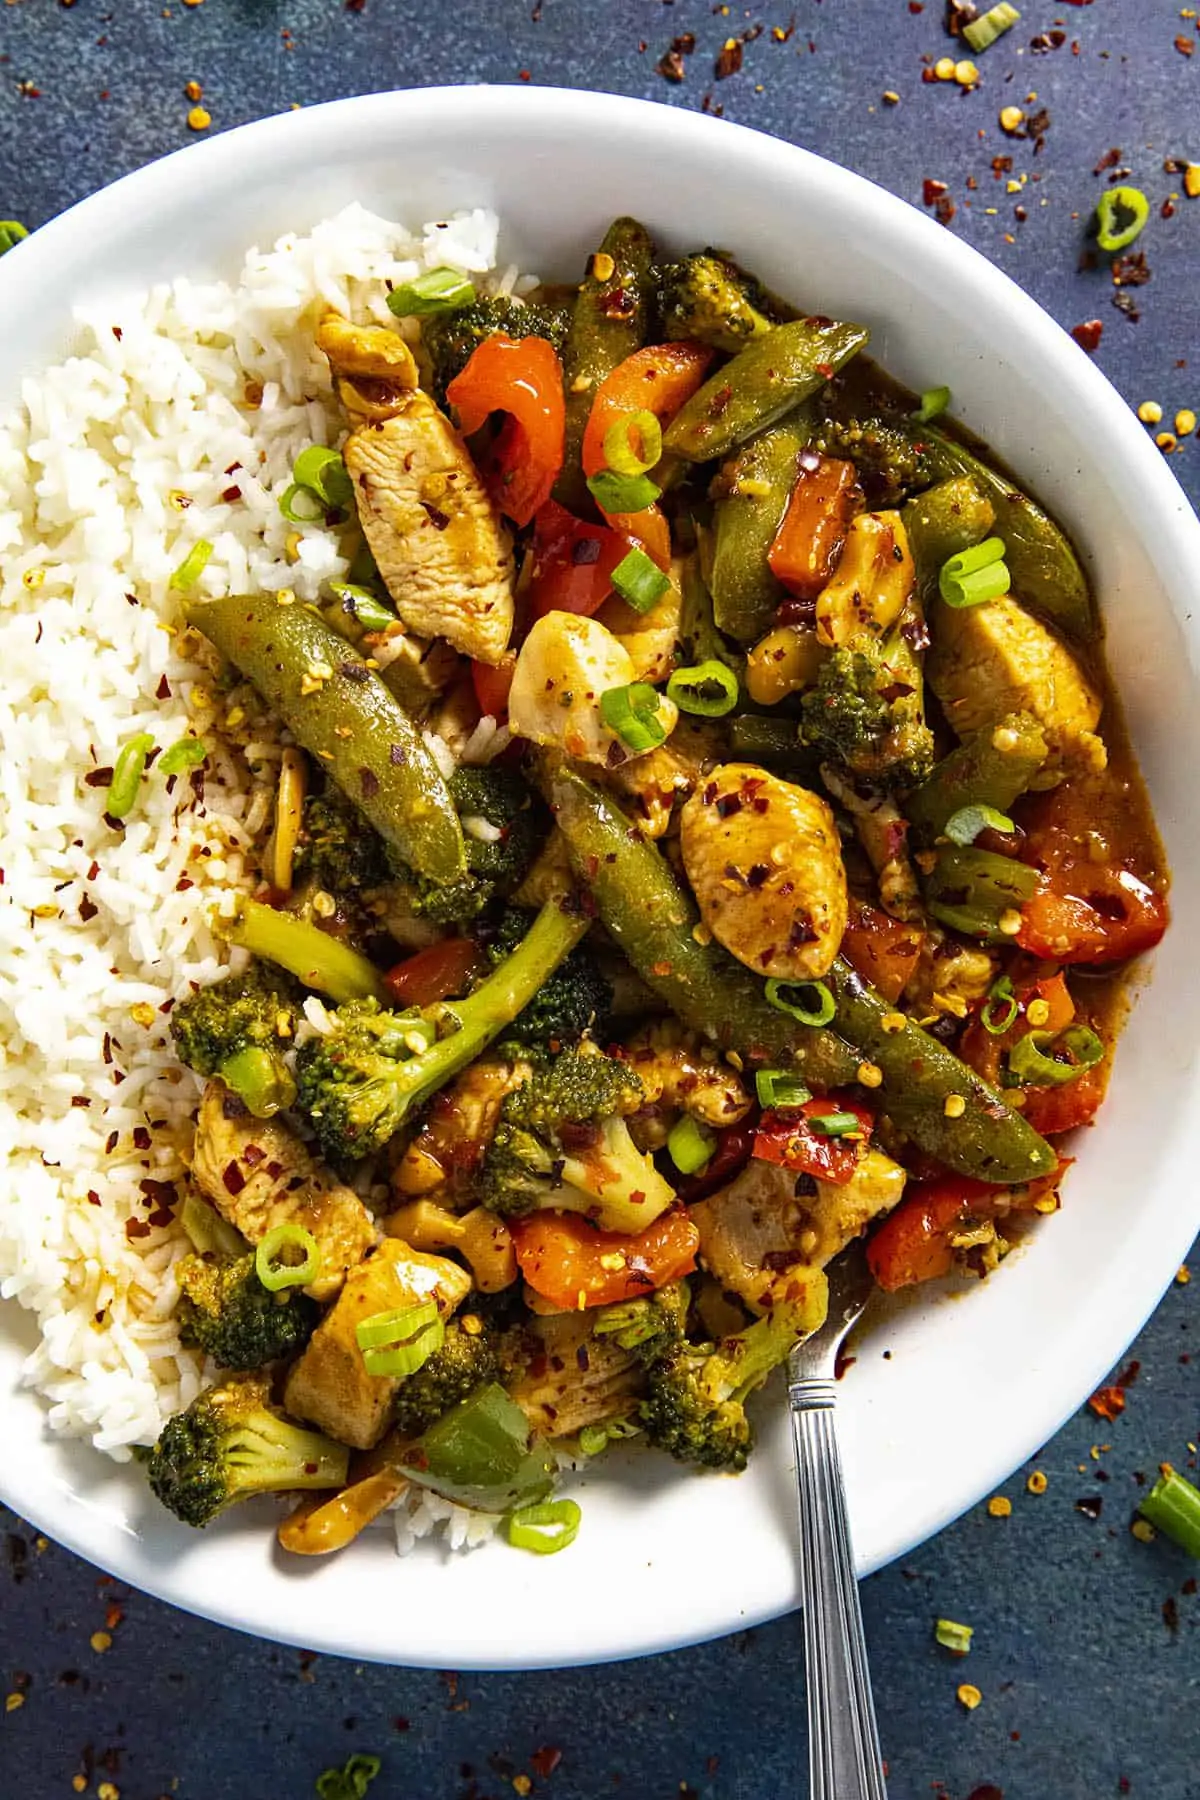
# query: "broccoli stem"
{"points": [[495, 1003], [321, 962]]}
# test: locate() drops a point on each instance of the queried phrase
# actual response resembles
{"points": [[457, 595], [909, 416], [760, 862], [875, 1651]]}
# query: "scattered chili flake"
{"points": [[1088, 334], [932, 190], [729, 59], [546, 1760], [100, 1642], [1183, 1275], [1185, 45], [1132, 270], [1170, 1613], [1090, 1505], [136, 1228], [1107, 1402]]}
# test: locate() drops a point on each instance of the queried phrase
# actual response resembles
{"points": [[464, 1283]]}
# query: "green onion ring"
{"points": [[708, 689], [1000, 992], [127, 774], [965, 825], [546, 1528], [275, 1275], [816, 1015], [690, 1145], [634, 429], [1029, 1063], [778, 1089], [639, 581]]}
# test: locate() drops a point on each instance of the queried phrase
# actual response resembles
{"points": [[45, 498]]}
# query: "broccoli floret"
{"points": [[360, 1082], [487, 800], [706, 296], [338, 851], [239, 1029], [650, 1326], [862, 718], [577, 998], [891, 463], [232, 1443], [465, 1361], [225, 1310], [694, 1406], [562, 1145], [450, 339]]}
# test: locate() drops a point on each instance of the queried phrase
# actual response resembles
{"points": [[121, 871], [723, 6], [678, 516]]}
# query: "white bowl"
{"points": [[972, 1388]]}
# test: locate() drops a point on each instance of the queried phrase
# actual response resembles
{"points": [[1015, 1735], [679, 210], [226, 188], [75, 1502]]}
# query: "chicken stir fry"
{"points": [[641, 931]]}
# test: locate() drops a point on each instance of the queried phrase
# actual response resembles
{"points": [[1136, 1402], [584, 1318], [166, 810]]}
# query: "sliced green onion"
{"points": [[639, 581], [634, 444], [593, 1439], [1000, 994], [618, 1429], [965, 825], [402, 1359], [632, 712], [11, 233], [708, 689], [437, 291], [690, 1145], [778, 1088], [315, 508], [184, 753], [836, 1124], [363, 605], [1121, 214], [259, 1079], [385, 1328], [952, 1636], [1032, 1067], [819, 1012], [276, 1275], [622, 493], [982, 33], [192, 567], [127, 774], [934, 402], [975, 575], [324, 473], [350, 1782], [546, 1528], [1173, 1504]]}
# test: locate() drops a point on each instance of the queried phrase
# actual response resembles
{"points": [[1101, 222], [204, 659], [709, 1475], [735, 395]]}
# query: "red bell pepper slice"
{"points": [[523, 378], [573, 562], [436, 973], [788, 1137], [573, 1265]]}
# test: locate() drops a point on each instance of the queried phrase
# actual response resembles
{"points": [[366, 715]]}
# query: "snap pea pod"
{"points": [[987, 1139], [946, 519], [993, 767], [764, 738], [760, 480], [610, 320], [769, 378], [338, 708], [970, 890], [1045, 570], [652, 920]]}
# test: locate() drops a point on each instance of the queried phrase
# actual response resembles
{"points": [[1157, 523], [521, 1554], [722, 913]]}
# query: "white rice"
{"points": [[115, 464]]}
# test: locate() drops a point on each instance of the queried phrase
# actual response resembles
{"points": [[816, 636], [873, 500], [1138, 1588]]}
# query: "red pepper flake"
{"points": [[111, 1142], [106, 1051], [87, 908], [670, 66], [1088, 335], [729, 60], [1109, 160], [370, 783], [136, 1228], [1131, 271], [163, 690], [1170, 1613], [1185, 45], [932, 190], [233, 1179], [1129, 1375], [989, 1790], [93, 1197], [98, 777], [944, 210], [80, 1100], [232, 493], [158, 1193], [1107, 1402], [355, 6], [113, 1616], [141, 1138], [546, 1760]]}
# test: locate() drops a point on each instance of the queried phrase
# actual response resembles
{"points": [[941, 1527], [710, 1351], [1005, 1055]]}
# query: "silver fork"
{"points": [[843, 1743]]}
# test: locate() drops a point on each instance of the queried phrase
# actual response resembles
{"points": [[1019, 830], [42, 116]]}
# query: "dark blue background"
{"points": [[1086, 1641]]}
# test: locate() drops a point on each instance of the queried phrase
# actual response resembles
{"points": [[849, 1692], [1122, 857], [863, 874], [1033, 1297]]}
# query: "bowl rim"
{"points": [[1165, 519]]}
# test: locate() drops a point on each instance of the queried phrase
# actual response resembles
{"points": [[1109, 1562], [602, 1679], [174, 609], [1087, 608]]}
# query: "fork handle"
{"points": [[843, 1742]]}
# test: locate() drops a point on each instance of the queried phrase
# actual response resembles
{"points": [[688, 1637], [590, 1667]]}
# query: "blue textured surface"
{"points": [[1086, 1647]]}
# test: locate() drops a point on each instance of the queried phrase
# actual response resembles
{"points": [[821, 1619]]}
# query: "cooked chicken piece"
{"points": [[438, 539], [989, 660], [765, 865], [571, 1379], [651, 786], [329, 1386], [950, 976], [681, 1075], [258, 1174], [882, 830], [649, 637], [750, 1240], [457, 1129], [772, 1229], [563, 667], [417, 670]]}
